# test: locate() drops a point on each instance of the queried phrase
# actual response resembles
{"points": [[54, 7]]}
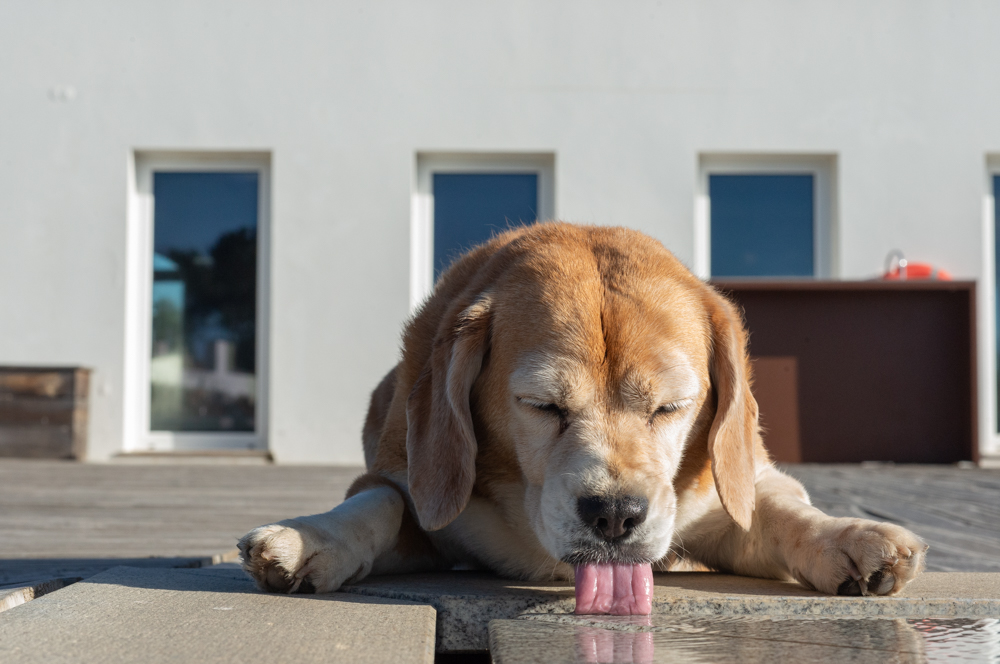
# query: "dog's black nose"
{"points": [[612, 517]]}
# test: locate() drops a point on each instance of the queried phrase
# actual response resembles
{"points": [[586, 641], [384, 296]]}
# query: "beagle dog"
{"points": [[573, 403]]}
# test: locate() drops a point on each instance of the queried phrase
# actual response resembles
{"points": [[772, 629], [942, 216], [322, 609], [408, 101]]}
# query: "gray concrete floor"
{"points": [[68, 519]]}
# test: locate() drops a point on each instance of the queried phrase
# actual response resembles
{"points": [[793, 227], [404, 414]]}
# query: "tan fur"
{"points": [[533, 376], [733, 436], [378, 412], [440, 440]]}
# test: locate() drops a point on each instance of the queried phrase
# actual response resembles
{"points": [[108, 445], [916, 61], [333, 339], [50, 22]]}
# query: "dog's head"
{"points": [[583, 364]]}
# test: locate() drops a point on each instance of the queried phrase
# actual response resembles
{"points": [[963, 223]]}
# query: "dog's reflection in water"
{"points": [[739, 639], [607, 646]]}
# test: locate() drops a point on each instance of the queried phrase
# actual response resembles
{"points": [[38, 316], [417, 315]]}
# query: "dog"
{"points": [[571, 397]]}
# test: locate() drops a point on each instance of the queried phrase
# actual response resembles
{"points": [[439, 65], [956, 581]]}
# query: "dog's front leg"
{"points": [[371, 531], [789, 538]]}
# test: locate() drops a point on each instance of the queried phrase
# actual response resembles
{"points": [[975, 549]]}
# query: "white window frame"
{"points": [[989, 437], [823, 168], [138, 342], [541, 164]]}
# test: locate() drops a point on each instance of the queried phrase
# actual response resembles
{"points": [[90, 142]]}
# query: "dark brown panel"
{"points": [[776, 389], [885, 371]]}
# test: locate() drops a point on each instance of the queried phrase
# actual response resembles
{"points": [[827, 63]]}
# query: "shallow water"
{"points": [[555, 638]]}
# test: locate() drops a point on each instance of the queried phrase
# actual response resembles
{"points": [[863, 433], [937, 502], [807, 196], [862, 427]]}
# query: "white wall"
{"points": [[343, 95]]}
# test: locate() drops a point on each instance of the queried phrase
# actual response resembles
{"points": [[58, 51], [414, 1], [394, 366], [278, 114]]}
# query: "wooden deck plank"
{"points": [[51, 509]]}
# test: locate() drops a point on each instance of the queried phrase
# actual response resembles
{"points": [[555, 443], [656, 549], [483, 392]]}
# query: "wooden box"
{"points": [[43, 412]]}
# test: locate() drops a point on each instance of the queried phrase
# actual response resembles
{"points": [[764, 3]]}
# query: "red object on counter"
{"points": [[919, 271]]}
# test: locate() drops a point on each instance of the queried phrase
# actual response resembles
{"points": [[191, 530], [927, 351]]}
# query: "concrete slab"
{"points": [[189, 615], [35, 570], [16, 595], [467, 601], [744, 640]]}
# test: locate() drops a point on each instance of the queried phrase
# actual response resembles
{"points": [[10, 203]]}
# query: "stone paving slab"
{"points": [[36, 570], [743, 640], [16, 595], [467, 601], [189, 615]]}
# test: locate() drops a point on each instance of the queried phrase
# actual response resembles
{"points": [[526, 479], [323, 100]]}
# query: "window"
{"points": [[202, 231], [463, 200], [470, 208], [762, 225], [765, 217]]}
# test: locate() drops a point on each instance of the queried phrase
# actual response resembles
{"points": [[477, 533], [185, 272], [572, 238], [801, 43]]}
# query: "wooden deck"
{"points": [[63, 519], [70, 519], [956, 510]]}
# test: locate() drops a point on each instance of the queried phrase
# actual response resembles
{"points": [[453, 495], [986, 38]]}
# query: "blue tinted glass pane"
{"points": [[762, 225], [996, 284], [469, 208], [204, 345]]}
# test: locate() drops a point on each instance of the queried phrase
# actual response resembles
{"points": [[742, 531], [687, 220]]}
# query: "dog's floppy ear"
{"points": [[440, 441], [731, 437]]}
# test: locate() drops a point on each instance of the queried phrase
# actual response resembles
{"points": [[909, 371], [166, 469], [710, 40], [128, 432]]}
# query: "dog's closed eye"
{"points": [[666, 409], [550, 408], [543, 406]]}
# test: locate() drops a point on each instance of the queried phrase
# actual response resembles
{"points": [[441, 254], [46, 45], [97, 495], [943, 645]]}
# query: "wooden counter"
{"points": [[880, 370]]}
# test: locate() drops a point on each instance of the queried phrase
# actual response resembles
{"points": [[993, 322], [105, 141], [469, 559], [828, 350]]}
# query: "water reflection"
{"points": [[203, 374], [722, 640], [600, 646], [957, 639]]}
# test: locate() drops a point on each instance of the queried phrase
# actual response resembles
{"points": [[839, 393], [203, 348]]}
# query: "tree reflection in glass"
{"points": [[203, 373]]}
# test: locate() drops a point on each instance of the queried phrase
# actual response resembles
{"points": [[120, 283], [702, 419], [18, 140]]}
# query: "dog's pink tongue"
{"points": [[617, 589]]}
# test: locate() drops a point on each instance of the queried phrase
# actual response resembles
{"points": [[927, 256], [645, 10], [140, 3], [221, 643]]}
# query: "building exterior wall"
{"points": [[343, 96]]}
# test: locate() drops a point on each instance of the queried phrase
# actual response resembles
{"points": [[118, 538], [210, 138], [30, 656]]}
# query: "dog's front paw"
{"points": [[291, 556], [273, 555], [859, 557]]}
